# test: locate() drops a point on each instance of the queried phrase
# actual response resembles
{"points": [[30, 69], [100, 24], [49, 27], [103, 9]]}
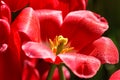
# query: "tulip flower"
{"points": [[115, 75], [31, 22], [21, 25], [9, 47], [9, 53], [65, 5], [75, 41]]}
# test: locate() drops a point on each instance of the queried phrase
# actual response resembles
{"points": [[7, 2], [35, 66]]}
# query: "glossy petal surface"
{"points": [[38, 50], [50, 22], [83, 27], [81, 65], [103, 49], [27, 24]]}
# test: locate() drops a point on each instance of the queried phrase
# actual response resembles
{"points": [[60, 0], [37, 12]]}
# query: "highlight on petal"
{"points": [[4, 31], [38, 50], [115, 75], [105, 50], [81, 65], [27, 24], [3, 48], [30, 72], [50, 22], [16, 5], [82, 27], [5, 12]]}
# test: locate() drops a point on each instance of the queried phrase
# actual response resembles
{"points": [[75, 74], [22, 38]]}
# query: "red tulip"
{"points": [[115, 75], [65, 5], [9, 53], [76, 40], [16, 5], [26, 23], [9, 47]]}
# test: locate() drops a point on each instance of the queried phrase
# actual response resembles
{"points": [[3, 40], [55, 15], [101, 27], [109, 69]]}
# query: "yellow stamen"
{"points": [[62, 40], [59, 45], [67, 49]]}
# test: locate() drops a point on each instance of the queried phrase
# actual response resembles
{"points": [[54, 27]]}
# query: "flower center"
{"points": [[60, 45]]}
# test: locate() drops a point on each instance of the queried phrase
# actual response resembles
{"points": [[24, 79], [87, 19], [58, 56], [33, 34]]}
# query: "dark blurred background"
{"points": [[110, 9]]}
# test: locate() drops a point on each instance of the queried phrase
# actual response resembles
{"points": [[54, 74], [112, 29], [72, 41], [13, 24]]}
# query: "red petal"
{"points": [[27, 24], [77, 4], [83, 27], [104, 49], [115, 75], [74, 4], [71, 5], [50, 21], [30, 72], [4, 31], [65, 5], [15, 44], [5, 12], [16, 5], [37, 50], [81, 65], [9, 66], [44, 4]]}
